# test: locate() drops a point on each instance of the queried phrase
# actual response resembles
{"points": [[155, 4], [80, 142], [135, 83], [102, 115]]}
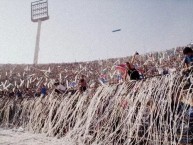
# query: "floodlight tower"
{"points": [[39, 13]]}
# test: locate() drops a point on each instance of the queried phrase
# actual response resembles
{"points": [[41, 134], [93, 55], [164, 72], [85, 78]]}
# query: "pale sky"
{"points": [[81, 30]]}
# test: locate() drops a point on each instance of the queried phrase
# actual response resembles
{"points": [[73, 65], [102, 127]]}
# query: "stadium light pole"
{"points": [[39, 13]]}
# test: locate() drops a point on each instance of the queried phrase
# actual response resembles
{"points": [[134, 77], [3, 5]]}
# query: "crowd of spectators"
{"points": [[37, 80]]}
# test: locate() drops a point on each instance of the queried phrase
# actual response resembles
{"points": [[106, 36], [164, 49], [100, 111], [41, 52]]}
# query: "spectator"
{"points": [[132, 72], [165, 71], [11, 94], [60, 88], [43, 90], [188, 52], [19, 93], [82, 84]]}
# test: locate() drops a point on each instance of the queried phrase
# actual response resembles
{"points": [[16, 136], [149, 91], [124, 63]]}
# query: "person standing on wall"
{"points": [[131, 71]]}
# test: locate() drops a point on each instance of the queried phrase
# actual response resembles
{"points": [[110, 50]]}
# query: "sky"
{"points": [[81, 30]]}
